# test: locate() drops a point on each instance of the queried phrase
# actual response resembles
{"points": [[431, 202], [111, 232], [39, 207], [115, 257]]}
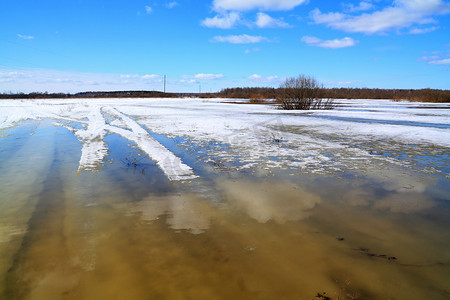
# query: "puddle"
{"points": [[375, 228], [389, 122]]}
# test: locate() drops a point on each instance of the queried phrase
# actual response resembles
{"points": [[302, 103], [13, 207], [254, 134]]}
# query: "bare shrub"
{"points": [[256, 98], [302, 93]]}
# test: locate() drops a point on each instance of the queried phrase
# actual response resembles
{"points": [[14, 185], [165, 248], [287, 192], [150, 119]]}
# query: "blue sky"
{"points": [[85, 45]]}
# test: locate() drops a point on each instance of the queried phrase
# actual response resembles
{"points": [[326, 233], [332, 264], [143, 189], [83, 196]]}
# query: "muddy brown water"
{"points": [[127, 232]]}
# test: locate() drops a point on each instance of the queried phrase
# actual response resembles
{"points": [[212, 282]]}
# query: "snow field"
{"points": [[258, 135]]}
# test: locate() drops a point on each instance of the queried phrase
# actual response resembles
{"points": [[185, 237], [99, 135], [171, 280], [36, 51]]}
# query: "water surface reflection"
{"points": [[127, 232]]}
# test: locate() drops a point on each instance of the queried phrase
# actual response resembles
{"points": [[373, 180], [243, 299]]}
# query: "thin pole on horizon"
{"points": [[164, 83]]}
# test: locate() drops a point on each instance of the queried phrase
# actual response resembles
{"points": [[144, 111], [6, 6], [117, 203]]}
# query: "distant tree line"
{"points": [[256, 94], [44, 95], [115, 94], [425, 95], [249, 92]]}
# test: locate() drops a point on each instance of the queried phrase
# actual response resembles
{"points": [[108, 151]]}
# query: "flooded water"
{"points": [[127, 211]]}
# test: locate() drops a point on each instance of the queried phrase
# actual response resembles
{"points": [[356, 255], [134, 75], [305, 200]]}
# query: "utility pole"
{"points": [[164, 83], [199, 88]]}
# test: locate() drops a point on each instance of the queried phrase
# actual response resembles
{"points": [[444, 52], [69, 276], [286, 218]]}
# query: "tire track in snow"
{"points": [[94, 148], [169, 163]]}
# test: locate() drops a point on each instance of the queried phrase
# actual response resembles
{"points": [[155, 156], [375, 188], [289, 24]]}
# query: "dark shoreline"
{"points": [[254, 93]]}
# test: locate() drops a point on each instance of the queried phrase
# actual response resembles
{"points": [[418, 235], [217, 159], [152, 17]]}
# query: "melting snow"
{"points": [[255, 134]]}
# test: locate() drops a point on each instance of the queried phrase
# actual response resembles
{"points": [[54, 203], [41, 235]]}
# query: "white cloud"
{"points": [[223, 21], [171, 4], [240, 39], [265, 21], [25, 37], [188, 81], [263, 5], [436, 58], [202, 76], [148, 9], [331, 44], [363, 5], [310, 40], [429, 58], [261, 79], [41, 80], [254, 77], [247, 51], [129, 76], [227, 20], [402, 14], [423, 30], [445, 62], [15, 74], [150, 76]]}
